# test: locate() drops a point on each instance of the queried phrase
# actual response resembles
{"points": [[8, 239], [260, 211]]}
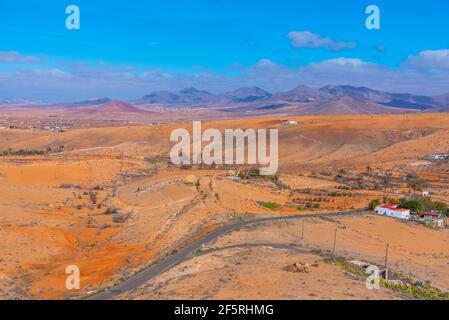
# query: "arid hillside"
{"points": [[107, 199], [336, 140], [255, 261]]}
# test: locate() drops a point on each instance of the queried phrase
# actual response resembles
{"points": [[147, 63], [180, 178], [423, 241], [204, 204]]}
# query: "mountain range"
{"points": [[191, 97], [339, 99], [324, 100]]}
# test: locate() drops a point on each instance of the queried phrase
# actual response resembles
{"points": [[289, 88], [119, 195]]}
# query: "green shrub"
{"points": [[269, 205], [373, 204]]}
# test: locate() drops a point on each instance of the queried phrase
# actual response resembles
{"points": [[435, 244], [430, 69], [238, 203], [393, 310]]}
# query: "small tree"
{"points": [[440, 207], [417, 185], [360, 182], [373, 204], [412, 205], [387, 199], [427, 203], [386, 182]]}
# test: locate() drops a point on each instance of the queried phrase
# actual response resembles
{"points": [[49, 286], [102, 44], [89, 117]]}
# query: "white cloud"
{"points": [[429, 59], [265, 64], [357, 72], [53, 73], [343, 62], [82, 80], [306, 39], [14, 57]]}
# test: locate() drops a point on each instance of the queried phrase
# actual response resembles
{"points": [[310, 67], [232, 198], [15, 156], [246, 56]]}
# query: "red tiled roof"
{"points": [[391, 206], [434, 214]]}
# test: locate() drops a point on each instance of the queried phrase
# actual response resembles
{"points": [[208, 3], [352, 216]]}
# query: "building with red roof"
{"points": [[392, 210], [434, 217]]}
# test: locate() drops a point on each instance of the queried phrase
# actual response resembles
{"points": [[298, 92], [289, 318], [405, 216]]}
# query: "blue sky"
{"points": [[126, 49]]}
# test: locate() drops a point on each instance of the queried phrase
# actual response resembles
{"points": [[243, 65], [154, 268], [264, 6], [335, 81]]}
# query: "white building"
{"points": [[392, 210], [434, 217], [441, 156], [289, 122]]}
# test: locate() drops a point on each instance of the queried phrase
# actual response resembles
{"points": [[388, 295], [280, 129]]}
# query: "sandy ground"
{"points": [[48, 219], [256, 273], [413, 249], [248, 264]]}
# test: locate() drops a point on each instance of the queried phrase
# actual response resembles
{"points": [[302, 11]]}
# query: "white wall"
{"points": [[394, 214]]}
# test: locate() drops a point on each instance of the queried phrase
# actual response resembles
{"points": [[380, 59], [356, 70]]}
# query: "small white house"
{"points": [[290, 122], [392, 210], [441, 156]]}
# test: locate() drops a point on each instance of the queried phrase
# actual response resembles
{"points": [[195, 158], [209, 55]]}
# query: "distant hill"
{"points": [[443, 100], [398, 100], [192, 97], [160, 97], [246, 95], [185, 97], [346, 104], [89, 102], [300, 94], [300, 100], [252, 97], [114, 107]]}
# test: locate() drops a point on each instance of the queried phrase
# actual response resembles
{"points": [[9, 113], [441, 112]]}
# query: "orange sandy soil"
{"points": [[230, 269], [43, 229], [255, 273], [45, 226], [414, 250]]}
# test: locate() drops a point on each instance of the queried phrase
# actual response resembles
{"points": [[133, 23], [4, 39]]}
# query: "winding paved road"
{"points": [[178, 257]]}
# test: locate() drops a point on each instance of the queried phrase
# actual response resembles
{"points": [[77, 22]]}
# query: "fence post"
{"points": [[335, 242], [302, 231]]}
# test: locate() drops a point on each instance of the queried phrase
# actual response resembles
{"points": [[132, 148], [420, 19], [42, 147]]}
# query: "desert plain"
{"points": [[103, 196]]}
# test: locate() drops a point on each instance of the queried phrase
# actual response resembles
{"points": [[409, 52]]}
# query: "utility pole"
{"points": [[302, 231], [335, 241], [386, 262]]}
